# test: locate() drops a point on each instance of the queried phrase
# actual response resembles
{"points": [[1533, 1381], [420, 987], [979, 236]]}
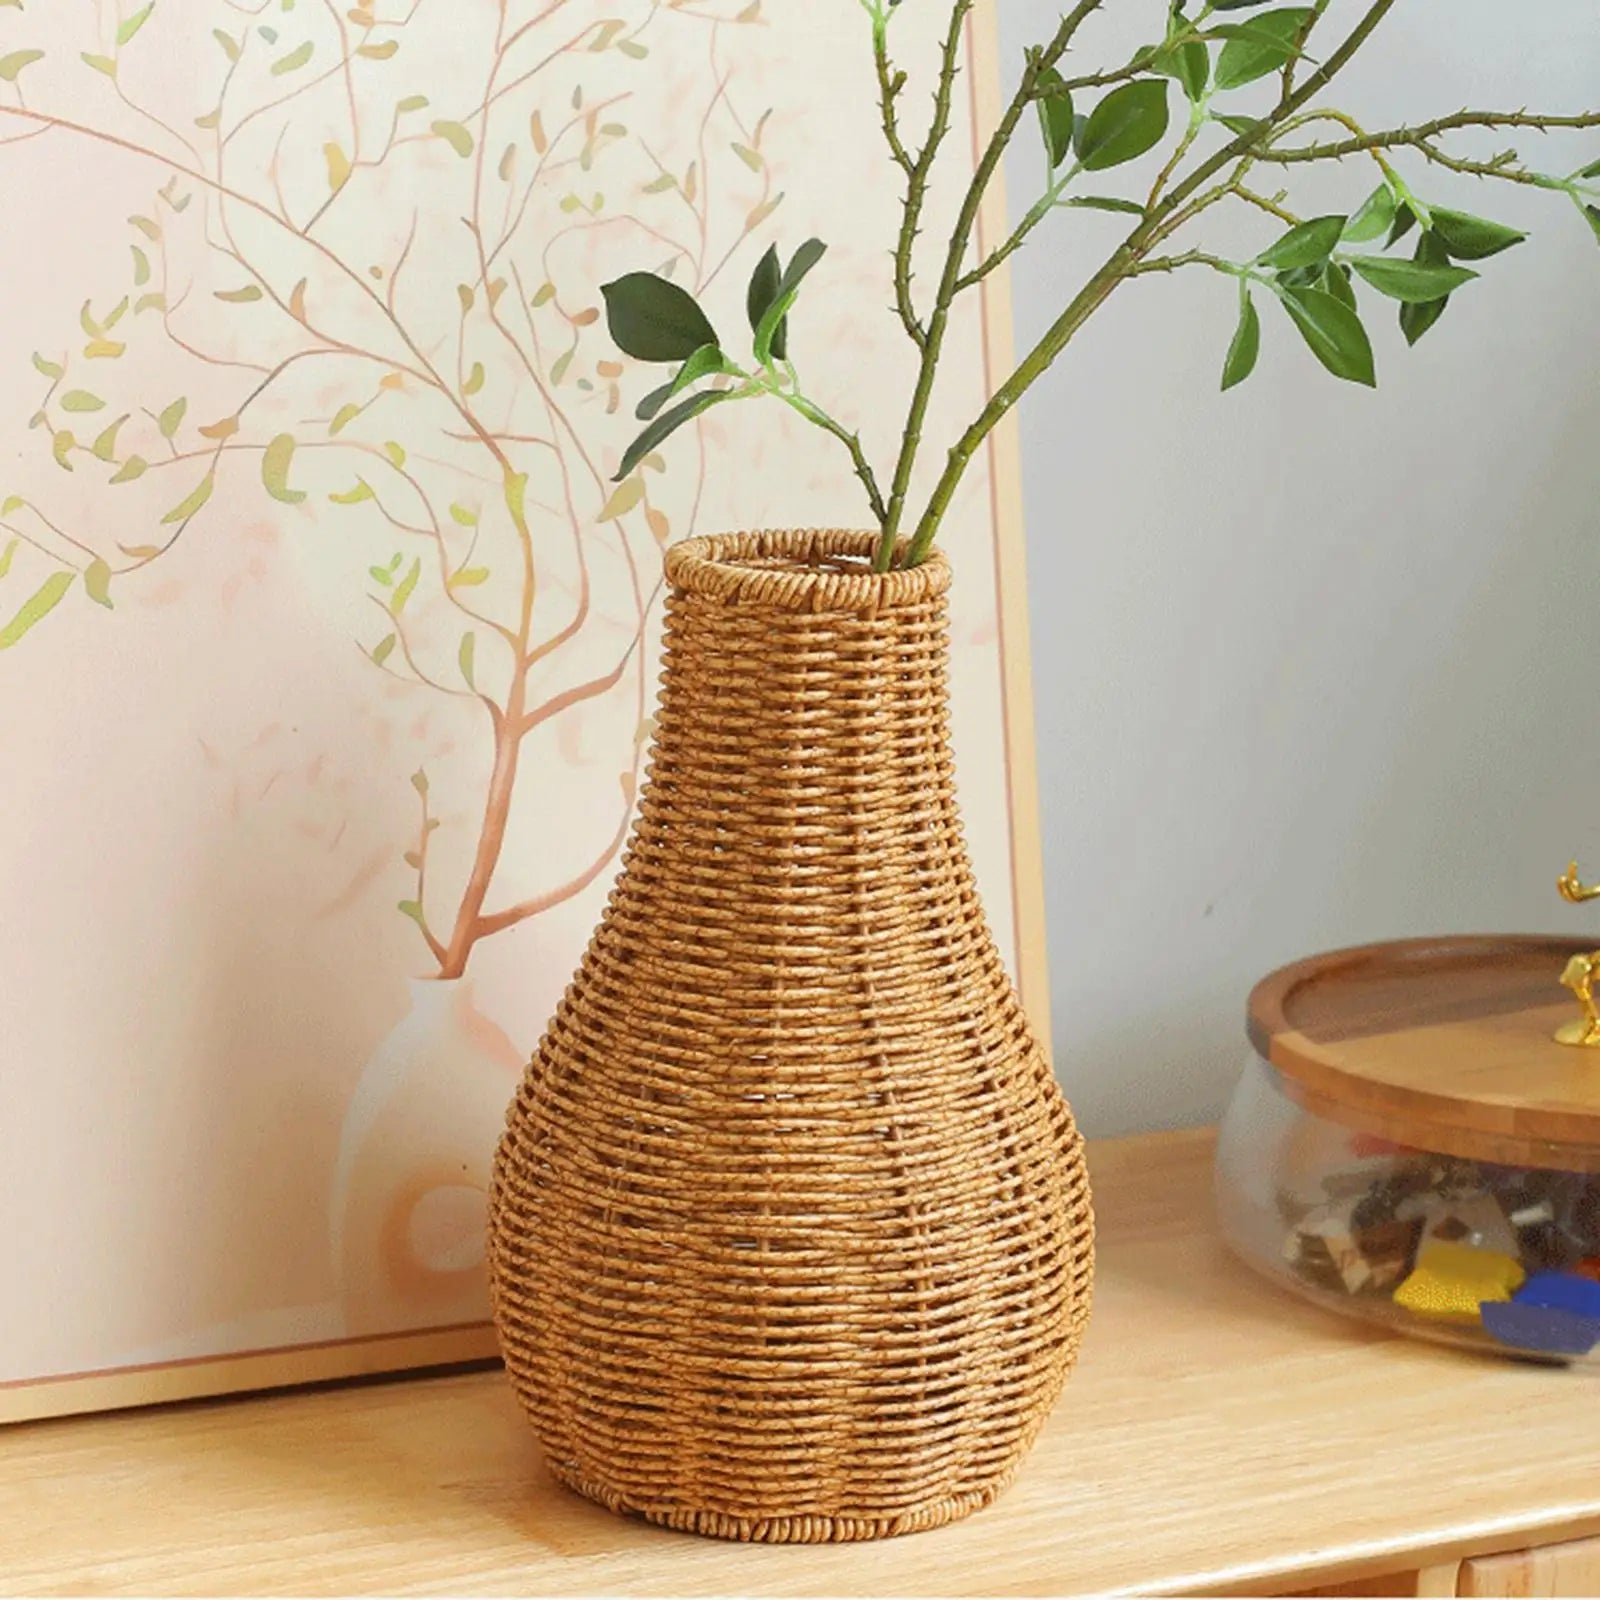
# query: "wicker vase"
{"points": [[790, 1234]]}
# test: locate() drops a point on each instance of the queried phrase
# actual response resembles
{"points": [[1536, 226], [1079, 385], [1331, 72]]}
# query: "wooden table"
{"points": [[1219, 1436]]}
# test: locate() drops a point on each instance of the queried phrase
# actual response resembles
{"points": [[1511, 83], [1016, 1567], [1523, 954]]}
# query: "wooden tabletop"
{"points": [[1218, 1436]]}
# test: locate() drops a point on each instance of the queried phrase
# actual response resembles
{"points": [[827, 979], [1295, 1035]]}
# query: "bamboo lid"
{"points": [[1442, 1044]]}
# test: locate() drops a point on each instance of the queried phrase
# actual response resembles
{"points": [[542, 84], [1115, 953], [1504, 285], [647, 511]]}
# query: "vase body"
{"points": [[790, 1234], [406, 1210]]}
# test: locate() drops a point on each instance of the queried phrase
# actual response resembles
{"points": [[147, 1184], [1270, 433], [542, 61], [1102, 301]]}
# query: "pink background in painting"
{"points": [[216, 1050]]}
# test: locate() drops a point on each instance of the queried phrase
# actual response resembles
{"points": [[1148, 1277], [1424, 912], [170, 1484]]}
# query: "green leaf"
{"points": [[419, 782], [1246, 345], [396, 454], [412, 102], [6, 555], [193, 501], [41, 603], [1336, 280], [353, 496], [230, 45], [239, 297], [343, 417], [654, 320], [665, 425], [100, 64], [1259, 46], [133, 467], [762, 292], [1235, 5], [1307, 244], [1056, 119], [275, 465], [134, 23], [708, 359], [468, 578], [1405, 219], [50, 369], [456, 136], [771, 332], [1240, 126], [412, 909], [81, 400], [1334, 333], [169, 419], [466, 656], [1592, 213], [1128, 122], [105, 446], [1470, 238], [1189, 63], [1414, 282], [475, 380], [12, 64], [463, 516], [383, 649], [1105, 202], [97, 583], [1375, 216], [623, 499], [292, 62], [403, 590]]}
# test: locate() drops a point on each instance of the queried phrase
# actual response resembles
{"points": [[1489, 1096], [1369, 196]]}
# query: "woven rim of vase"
{"points": [[801, 569]]}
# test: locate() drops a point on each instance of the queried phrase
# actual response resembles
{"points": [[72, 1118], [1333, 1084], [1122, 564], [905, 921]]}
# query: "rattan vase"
{"points": [[790, 1234]]}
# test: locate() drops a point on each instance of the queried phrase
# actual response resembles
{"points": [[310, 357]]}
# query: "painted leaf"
{"points": [[101, 64], [6, 555], [463, 515], [412, 909], [474, 380], [239, 297], [50, 369], [133, 24], [12, 502], [378, 52], [140, 552], [623, 499], [169, 419], [193, 501], [133, 467], [338, 165], [81, 400], [404, 589], [396, 455], [12, 64], [466, 656], [104, 349], [150, 229], [514, 486], [275, 464], [469, 577], [222, 428], [412, 102], [343, 417], [419, 782], [354, 496], [141, 266], [62, 444], [39, 604], [292, 62], [383, 649], [105, 447], [230, 45], [456, 136], [97, 583]]}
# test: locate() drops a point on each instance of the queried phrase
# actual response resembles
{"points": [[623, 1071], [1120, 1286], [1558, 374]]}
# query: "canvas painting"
{"points": [[327, 640]]}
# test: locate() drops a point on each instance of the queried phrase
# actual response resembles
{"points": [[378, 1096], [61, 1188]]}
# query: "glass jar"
{"points": [[1373, 1160]]}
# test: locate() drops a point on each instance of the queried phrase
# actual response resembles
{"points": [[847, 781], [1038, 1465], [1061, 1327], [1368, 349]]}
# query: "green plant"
{"points": [[1212, 148]]}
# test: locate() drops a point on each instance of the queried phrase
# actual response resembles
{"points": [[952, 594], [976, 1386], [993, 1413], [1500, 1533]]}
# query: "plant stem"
{"points": [[938, 322]]}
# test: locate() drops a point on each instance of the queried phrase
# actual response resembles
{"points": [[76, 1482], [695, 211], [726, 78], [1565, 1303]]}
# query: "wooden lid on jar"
{"points": [[1442, 1044]]}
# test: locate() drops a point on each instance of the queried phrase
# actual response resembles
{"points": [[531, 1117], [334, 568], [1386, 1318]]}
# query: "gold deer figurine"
{"points": [[1582, 970]]}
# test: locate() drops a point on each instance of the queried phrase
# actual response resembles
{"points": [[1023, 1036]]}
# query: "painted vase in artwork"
{"points": [[406, 1222]]}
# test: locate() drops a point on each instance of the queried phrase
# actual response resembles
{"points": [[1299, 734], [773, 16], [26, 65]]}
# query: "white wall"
{"points": [[1313, 665]]}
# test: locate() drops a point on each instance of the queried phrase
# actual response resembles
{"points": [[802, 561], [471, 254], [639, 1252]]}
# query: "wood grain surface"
{"points": [[1219, 1436], [1442, 1043]]}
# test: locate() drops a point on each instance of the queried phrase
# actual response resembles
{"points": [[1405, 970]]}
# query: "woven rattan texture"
{"points": [[790, 1231]]}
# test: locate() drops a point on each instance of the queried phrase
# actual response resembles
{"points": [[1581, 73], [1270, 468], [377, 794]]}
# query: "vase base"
{"points": [[804, 1528]]}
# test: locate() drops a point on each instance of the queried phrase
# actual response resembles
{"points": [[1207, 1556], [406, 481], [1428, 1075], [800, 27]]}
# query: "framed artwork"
{"points": [[326, 640]]}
